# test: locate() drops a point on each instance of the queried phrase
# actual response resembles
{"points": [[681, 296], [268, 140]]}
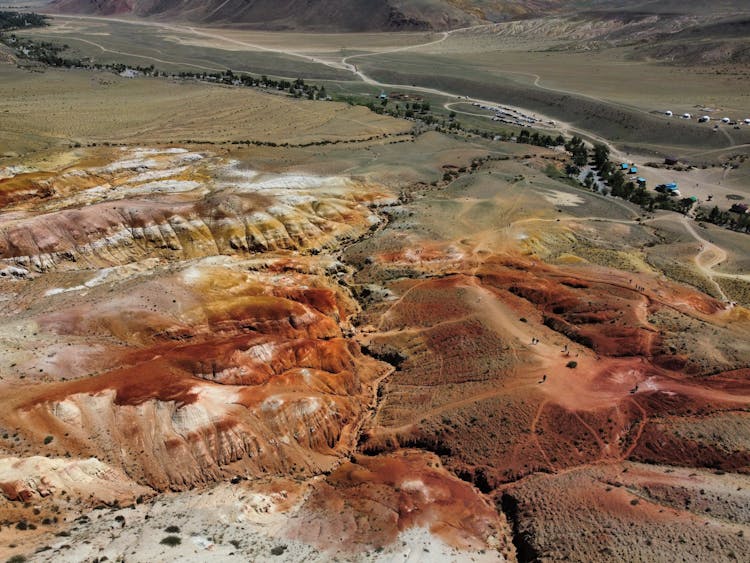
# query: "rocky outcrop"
{"points": [[33, 478], [369, 502], [150, 204], [243, 375], [107, 234], [210, 346]]}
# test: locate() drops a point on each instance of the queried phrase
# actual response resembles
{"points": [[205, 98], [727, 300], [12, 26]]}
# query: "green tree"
{"points": [[601, 154]]}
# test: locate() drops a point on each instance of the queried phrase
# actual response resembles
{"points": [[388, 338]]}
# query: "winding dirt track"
{"points": [[709, 256], [136, 55]]}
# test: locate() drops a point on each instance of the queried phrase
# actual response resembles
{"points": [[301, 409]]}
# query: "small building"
{"points": [[747, 121], [641, 182], [383, 96], [633, 170], [687, 116], [671, 160], [671, 187], [704, 119], [668, 113], [741, 208], [624, 166], [693, 199], [725, 120]]}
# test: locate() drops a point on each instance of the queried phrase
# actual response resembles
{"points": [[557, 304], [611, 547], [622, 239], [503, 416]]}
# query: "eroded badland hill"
{"points": [[367, 343]]}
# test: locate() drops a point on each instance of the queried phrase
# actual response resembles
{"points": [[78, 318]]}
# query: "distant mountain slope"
{"points": [[343, 15], [339, 15], [372, 15]]}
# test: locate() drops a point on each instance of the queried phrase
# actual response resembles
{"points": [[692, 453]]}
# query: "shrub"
{"points": [[171, 541], [48, 439], [572, 364], [172, 529], [278, 550]]}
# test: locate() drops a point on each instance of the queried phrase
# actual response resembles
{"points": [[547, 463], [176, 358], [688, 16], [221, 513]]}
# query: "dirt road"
{"points": [[710, 256]]}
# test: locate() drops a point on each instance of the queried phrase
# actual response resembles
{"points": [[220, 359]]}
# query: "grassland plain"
{"points": [[111, 42], [605, 91], [55, 108]]}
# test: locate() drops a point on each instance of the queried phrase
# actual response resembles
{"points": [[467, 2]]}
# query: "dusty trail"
{"points": [[709, 256], [532, 430], [641, 427], [444, 35], [146, 57], [718, 151], [573, 220], [505, 322], [353, 68]]}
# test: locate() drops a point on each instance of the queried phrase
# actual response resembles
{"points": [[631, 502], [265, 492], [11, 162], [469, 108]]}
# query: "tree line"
{"points": [[17, 20]]}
